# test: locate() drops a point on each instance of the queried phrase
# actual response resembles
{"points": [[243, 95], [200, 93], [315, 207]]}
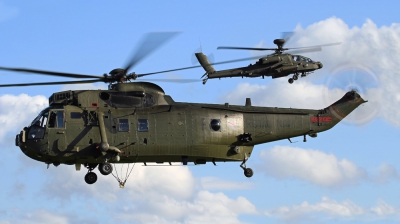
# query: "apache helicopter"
{"points": [[136, 122], [275, 65]]}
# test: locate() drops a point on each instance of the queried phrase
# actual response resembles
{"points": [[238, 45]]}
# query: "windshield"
{"points": [[41, 119], [301, 58]]}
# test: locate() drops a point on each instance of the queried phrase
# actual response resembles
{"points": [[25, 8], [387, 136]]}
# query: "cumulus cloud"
{"points": [[150, 195], [368, 57], [310, 165], [89, 86], [385, 173], [281, 94], [213, 183], [18, 111], [333, 210]]}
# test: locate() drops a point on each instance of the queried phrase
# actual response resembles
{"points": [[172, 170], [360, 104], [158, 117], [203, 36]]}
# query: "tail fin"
{"points": [[203, 60], [343, 107], [330, 116]]}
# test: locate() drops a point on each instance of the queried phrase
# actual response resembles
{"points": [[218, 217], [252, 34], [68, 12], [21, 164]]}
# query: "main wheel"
{"points": [[290, 80], [248, 172], [295, 77], [91, 178], [105, 168]]}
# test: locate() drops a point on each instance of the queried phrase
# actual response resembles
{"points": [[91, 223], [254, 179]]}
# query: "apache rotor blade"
{"points": [[42, 72], [269, 49], [321, 45], [51, 83], [246, 48], [307, 50], [286, 36], [149, 43]]}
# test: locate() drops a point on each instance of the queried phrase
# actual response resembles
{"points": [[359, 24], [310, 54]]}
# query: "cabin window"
{"points": [[143, 125], [56, 119], [215, 124], [123, 125], [75, 115]]}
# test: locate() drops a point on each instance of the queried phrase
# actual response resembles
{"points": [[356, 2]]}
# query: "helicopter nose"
{"points": [[320, 65]]}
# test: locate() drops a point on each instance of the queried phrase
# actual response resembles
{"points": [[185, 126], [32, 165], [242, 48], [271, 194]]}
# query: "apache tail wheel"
{"points": [[248, 172], [105, 168], [91, 178], [290, 80]]}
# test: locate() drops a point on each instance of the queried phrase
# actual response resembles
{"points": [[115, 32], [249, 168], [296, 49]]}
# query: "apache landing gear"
{"points": [[248, 172], [295, 77], [90, 177]]}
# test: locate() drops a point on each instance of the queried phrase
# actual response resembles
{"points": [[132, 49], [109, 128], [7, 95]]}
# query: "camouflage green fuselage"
{"points": [[158, 129]]}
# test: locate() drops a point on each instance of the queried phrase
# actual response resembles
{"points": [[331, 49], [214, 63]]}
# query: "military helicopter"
{"points": [[276, 65], [136, 122]]}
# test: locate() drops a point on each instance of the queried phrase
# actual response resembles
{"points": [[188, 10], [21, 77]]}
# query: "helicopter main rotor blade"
{"points": [[148, 44], [307, 50], [51, 83], [171, 70], [42, 72], [246, 48], [269, 49], [321, 45], [172, 80]]}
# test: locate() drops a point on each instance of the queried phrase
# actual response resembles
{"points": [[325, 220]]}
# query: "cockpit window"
{"points": [[301, 58], [56, 119], [38, 126]]}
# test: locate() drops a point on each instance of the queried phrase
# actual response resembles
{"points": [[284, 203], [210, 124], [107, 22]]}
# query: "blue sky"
{"points": [[347, 174]]}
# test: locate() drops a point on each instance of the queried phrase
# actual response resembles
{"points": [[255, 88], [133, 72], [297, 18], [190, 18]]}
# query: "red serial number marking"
{"points": [[320, 119]]}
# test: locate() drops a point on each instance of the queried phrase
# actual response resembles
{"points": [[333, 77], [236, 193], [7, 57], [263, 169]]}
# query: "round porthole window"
{"points": [[215, 124]]}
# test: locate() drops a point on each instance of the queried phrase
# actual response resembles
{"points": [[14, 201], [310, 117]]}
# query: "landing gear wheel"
{"points": [[248, 172], [295, 77], [90, 178], [290, 80], [105, 168]]}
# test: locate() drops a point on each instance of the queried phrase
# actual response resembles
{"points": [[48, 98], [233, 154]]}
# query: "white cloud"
{"points": [[89, 86], [329, 209], [310, 165], [386, 172], [383, 209], [213, 183], [281, 94], [368, 57], [151, 194], [18, 111]]}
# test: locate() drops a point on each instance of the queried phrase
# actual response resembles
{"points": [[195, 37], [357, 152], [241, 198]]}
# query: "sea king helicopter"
{"points": [[136, 122], [276, 65]]}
